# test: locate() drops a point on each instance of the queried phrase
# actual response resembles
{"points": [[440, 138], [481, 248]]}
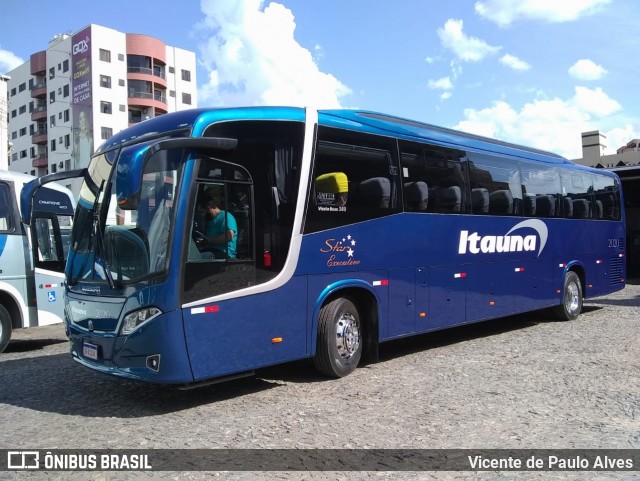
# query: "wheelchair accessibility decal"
{"points": [[52, 296]]}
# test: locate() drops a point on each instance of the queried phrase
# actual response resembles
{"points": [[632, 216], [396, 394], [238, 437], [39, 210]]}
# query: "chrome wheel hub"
{"points": [[347, 336], [572, 298]]}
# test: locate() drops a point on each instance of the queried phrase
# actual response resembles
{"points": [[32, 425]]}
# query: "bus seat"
{"points": [[480, 200], [501, 202], [545, 206], [448, 199], [529, 202], [599, 209], [332, 188], [567, 203], [416, 196], [376, 190], [581, 209]]}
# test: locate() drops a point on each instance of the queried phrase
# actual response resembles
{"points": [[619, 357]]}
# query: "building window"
{"points": [[59, 115], [186, 75], [105, 55], [66, 115], [121, 82], [106, 132], [105, 81], [22, 87], [52, 97], [186, 99], [52, 121], [65, 91], [172, 70], [67, 141], [32, 151], [14, 156], [13, 91], [54, 168], [14, 112], [23, 131], [65, 66], [121, 57], [53, 145], [123, 108], [52, 73], [59, 66], [172, 93], [22, 109], [14, 135], [105, 107], [23, 154]]}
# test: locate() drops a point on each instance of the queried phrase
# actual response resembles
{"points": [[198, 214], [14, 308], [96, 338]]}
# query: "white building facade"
{"points": [[68, 99], [4, 124]]}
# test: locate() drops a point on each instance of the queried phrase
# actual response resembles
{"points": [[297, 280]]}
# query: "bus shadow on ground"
{"points": [[55, 383], [26, 345]]}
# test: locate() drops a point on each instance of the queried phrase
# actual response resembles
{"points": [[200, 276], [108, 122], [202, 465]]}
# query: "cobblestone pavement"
{"points": [[521, 382]]}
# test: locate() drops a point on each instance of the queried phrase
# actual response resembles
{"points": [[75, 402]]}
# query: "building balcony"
{"points": [[40, 161], [39, 90], [147, 99], [147, 75], [39, 113], [39, 137]]}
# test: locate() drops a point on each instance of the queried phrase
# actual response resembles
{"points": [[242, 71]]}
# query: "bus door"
{"points": [[50, 236]]}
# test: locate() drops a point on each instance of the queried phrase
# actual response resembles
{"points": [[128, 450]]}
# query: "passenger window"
{"points": [[542, 192], [606, 192], [6, 219], [433, 179], [355, 178], [577, 188], [499, 180]]}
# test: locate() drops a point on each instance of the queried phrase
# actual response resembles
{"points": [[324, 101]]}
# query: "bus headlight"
{"points": [[134, 320]]}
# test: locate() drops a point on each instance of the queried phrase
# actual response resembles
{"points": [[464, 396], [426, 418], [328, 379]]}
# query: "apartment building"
{"points": [[66, 100]]}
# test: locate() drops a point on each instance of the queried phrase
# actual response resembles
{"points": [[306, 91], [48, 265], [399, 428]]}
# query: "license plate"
{"points": [[90, 351]]}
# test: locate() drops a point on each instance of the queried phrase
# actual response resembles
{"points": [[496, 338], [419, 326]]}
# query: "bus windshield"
{"points": [[117, 246]]}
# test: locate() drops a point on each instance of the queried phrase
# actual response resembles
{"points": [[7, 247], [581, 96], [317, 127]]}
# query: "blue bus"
{"points": [[32, 260], [211, 242]]}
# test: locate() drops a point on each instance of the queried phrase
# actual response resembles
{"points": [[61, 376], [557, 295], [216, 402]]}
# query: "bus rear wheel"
{"points": [[571, 298], [339, 347], [5, 328]]}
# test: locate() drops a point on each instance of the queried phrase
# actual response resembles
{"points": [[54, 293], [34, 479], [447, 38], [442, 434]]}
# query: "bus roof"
{"points": [[192, 120]]}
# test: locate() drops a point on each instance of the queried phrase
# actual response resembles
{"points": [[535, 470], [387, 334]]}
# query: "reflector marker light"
{"points": [[620, 255], [276, 340], [460, 275], [205, 309], [423, 314], [492, 303], [519, 269], [590, 286], [384, 282], [562, 265], [50, 286], [599, 261]]}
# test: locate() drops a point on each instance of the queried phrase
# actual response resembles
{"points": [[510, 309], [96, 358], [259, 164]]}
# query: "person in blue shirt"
{"points": [[221, 229]]}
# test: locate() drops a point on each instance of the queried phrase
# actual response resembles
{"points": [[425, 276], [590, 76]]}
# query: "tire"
{"points": [[339, 346], [5, 328], [572, 299]]}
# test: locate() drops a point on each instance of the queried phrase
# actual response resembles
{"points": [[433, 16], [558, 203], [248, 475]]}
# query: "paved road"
{"points": [[521, 382]]}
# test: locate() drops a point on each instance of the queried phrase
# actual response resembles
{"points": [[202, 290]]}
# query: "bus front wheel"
{"points": [[571, 298], [5, 328], [339, 346]]}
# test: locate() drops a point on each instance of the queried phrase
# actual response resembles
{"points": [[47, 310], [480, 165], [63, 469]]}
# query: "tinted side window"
{"points": [[577, 187], [6, 208], [433, 179], [355, 178], [606, 191], [499, 180], [542, 191]]}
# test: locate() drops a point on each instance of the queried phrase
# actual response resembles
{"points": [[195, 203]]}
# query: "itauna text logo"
{"points": [[518, 239]]}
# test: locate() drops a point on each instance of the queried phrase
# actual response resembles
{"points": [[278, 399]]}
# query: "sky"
{"points": [[533, 72]]}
